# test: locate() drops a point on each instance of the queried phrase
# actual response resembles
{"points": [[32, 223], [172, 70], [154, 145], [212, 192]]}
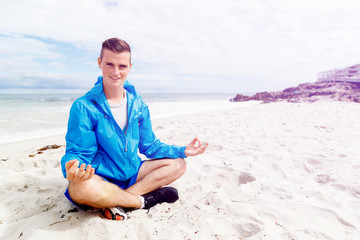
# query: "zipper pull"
{"points": [[125, 145]]}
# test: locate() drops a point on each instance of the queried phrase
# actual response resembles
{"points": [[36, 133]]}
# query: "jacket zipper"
{"points": [[127, 127], [125, 142], [129, 124], [95, 103]]}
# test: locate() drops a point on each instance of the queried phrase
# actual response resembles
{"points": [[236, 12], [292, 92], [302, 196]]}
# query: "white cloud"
{"points": [[272, 44]]}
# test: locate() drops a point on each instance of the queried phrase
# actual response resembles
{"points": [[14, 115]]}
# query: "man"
{"points": [[106, 128]]}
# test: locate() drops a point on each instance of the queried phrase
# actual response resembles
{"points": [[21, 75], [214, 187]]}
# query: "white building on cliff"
{"points": [[349, 74]]}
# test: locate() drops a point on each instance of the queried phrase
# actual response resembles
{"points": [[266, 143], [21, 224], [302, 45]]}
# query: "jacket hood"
{"points": [[97, 96], [97, 92]]}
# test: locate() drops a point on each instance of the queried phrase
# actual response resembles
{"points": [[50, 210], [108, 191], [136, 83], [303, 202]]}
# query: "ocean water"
{"points": [[30, 114]]}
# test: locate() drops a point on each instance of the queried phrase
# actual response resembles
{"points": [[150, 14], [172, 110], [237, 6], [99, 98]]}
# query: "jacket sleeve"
{"points": [[81, 141], [152, 147]]}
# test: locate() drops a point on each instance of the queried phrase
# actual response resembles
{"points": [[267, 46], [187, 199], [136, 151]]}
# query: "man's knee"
{"points": [[81, 192], [180, 166], [76, 193]]}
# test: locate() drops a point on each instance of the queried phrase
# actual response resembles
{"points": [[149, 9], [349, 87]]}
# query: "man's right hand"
{"points": [[76, 174]]}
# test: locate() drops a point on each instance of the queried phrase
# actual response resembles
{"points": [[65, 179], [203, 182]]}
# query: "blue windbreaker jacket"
{"points": [[94, 137]]}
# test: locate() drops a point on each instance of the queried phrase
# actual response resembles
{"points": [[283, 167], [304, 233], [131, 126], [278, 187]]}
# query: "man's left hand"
{"points": [[195, 148]]}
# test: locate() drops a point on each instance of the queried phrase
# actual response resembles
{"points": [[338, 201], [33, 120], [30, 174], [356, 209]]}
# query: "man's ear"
{"points": [[99, 62]]}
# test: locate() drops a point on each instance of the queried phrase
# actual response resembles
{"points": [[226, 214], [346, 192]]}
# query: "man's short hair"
{"points": [[115, 45]]}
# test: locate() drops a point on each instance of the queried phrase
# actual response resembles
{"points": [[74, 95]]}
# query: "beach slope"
{"points": [[272, 171]]}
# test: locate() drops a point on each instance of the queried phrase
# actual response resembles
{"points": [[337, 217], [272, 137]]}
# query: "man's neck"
{"points": [[114, 95]]}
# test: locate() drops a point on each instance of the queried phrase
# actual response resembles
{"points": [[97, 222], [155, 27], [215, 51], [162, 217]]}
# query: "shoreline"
{"points": [[25, 114], [158, 111]]}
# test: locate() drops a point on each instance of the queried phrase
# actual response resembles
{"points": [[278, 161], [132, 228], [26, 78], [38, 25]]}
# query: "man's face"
{"points": [[115, 68]]}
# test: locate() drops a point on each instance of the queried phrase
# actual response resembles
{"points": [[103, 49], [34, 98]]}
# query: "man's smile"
{"points": [[115, 78]]}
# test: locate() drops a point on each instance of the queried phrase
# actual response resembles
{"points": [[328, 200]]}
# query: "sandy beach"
{"points": [[272, 171]]}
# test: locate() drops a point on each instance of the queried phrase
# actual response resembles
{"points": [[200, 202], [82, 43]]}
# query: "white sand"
{"points": [[272, 171]]}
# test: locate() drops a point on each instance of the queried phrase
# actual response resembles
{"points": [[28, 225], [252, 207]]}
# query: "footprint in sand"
{"points": [[356, 166], [249, 229], [216, 147], [322, 178], [244, 178]]}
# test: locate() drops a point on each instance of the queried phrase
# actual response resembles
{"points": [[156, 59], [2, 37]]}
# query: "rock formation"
{"points": [[308, 92]]}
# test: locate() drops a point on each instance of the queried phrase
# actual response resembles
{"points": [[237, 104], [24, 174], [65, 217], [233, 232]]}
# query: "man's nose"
{"points": [[117, 71]]}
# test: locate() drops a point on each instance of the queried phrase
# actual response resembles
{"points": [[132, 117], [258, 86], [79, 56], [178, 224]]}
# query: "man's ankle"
{"points": [[142, 202]]}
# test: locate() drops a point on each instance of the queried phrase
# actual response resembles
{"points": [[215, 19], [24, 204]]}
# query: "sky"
{"points": [[229, 46]]}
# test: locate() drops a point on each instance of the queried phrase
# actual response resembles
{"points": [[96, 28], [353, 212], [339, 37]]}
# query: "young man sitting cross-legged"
{"points": [[107, 126]]}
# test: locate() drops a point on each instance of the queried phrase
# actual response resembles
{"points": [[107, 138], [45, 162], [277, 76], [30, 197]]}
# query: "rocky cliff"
{"points": [[308, 92]]}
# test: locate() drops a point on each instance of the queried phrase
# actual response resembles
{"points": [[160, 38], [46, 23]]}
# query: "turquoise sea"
{"points": [[34, 113]]}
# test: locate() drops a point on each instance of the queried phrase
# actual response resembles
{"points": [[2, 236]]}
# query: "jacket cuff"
{"points": [[182, 152], [64, 160]]}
